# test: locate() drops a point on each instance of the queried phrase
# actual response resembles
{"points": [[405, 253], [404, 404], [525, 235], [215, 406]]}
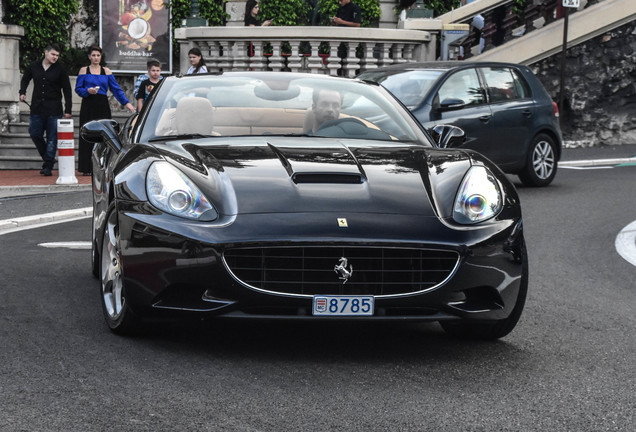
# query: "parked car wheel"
{"points": [[541, 165], [119, 316], [496, 329]]}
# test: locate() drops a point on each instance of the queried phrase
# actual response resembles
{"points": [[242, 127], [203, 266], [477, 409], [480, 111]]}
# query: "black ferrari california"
{"points": [[303, 197]]}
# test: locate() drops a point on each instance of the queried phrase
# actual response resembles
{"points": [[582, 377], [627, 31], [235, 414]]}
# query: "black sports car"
{"points": [[307, 197]]}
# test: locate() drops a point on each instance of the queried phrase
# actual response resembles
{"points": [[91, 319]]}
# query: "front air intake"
{"points": [[311, 270]]}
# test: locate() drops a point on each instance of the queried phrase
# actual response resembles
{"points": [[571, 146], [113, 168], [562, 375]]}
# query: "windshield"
{"points": [[249, 103], [410, 86]]}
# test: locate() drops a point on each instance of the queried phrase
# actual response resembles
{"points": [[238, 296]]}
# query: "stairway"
{"points": [[541, 36], [583, 25], [17, 150]]}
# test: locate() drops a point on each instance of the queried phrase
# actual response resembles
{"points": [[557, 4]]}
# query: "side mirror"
{"points": [[447, 136], [98, 131], [451, 104]]}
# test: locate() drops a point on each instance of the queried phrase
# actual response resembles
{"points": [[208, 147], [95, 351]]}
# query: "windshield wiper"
{"points": [[181, 136]]}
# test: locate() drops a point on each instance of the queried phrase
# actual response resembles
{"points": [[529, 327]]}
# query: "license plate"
{"points": [[343, 305]]}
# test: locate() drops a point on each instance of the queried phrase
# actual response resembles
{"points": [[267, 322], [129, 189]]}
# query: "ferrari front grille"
{"points": [[340, 270]]}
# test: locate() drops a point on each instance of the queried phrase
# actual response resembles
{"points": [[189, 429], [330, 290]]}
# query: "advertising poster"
{"points": [[131, 32]]}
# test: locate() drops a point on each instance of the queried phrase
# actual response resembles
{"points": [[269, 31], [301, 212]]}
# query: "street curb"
{"points": [[21, 222], [13, 191]]}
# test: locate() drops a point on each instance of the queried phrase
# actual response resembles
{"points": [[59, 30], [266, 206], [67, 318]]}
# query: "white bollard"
{"points": [[65, 152]]}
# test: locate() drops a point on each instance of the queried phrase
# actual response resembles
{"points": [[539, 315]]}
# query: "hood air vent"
{"points": [[340, 178]]}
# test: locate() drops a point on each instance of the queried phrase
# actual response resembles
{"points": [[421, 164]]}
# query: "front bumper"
{"points": [[176, 267]]}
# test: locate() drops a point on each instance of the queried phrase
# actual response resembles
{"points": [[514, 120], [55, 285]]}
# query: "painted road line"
{"points": [[36, 221], [626, 243], [600, 163], [67, 245]]}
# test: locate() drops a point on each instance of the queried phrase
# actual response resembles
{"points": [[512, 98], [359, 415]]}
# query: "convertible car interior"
{"points": [[204, 112]]}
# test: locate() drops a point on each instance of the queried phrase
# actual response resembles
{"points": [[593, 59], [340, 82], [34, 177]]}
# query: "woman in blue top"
{"points": [[93, 83]]}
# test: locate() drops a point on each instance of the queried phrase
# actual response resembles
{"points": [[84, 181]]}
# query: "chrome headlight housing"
{"points": [[173, 192], [479, 197]]}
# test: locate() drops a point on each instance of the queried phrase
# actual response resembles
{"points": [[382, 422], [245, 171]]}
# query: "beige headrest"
{"points": [[194, 116]]}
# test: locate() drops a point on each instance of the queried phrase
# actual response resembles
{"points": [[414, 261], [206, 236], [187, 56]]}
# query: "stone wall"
{"points": [[9, 74], [600, 88]]}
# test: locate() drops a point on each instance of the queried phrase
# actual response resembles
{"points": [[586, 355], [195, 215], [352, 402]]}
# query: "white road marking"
{"points": [[68, 245], [585, 168], [626, 243], [37, 221], [597, 163]]}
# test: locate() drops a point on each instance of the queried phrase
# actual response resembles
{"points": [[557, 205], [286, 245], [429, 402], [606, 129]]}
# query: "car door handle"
{"points": [[527, 113], [485, 118]]}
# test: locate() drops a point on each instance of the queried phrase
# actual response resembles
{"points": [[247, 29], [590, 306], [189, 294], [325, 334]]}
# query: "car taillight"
{"points": [[556, 109]]}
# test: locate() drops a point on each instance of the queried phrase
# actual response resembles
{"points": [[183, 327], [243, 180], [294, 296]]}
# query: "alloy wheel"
{"points": [[111, 277], [543, 160]]}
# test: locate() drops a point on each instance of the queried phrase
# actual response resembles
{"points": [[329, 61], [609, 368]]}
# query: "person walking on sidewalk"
{"points": [[92, 85], [50, 80]]}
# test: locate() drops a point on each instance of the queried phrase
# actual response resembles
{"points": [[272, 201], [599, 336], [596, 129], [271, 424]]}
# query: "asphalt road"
{"points": [[570, 365]]}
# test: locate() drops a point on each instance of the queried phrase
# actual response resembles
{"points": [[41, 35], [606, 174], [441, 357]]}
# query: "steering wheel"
{"points": [[350, 127], [344, 127]]}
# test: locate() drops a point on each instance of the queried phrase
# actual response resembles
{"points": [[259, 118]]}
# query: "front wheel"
{"points": [[541, 162], [117, 312]]}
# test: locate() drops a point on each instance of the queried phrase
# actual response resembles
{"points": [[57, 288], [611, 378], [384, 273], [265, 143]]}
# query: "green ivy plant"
{"points": [[76, 58], [285, 12], [440, 7], [211, 10], [44, 22]]}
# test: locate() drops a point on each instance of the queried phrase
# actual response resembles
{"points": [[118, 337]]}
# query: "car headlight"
{"points": [[479, 197], [172, 192]]}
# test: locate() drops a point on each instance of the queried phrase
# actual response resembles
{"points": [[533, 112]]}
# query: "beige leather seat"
{"points": [[309, 121], [194, 115]]}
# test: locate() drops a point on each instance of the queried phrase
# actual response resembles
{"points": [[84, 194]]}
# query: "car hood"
{"points": [[277, 175]]}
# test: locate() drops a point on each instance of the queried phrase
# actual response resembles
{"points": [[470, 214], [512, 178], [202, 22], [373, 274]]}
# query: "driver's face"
{"points": [[327, 107]]}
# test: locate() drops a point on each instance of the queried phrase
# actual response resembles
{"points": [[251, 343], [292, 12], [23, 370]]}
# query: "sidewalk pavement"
{"points": [[30, 182]]}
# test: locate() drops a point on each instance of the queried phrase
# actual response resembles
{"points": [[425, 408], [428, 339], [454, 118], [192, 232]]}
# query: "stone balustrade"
{"points": [[325, 50]]}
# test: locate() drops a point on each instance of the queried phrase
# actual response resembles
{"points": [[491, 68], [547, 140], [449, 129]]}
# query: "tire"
{"points": [[541, 162], [496, 329], [119, 317]]}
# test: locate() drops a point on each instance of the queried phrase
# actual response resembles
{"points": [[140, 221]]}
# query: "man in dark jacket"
{"points": [[50, 80], [348, 14]]}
